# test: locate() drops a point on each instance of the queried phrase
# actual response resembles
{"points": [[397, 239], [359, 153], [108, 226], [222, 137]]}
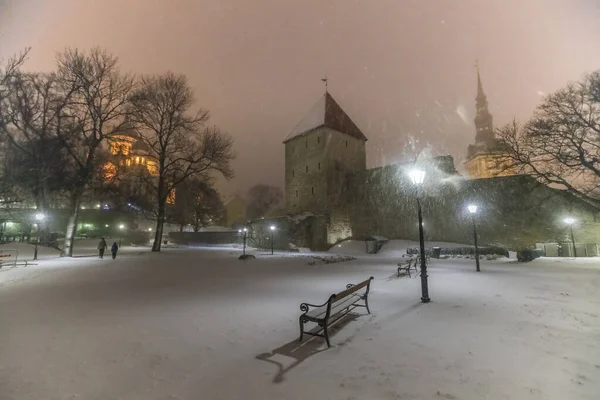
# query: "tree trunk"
{"points": [[72, 223], [180, 227], [160, 221]]}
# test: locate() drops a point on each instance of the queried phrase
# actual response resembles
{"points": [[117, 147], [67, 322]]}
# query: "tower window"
{"points": [[307, 169], [318, 139], [296, 193], [319, 166], [293, 173], [306, 144], [346, 143], [312, 189]]}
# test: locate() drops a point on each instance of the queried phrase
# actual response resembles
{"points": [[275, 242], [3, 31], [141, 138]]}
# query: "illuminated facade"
{"points": [[129, 153], [128, 150]]}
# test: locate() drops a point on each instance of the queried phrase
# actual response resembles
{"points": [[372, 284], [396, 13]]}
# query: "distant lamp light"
{"points": [[106, 226], [149, 229], [417, 176], [106, 207], [98, 206], [472, 208], [239, 231], [39, 217], [121, 226], [83, 207], [245, 229], [570, 221], [273, 227]]}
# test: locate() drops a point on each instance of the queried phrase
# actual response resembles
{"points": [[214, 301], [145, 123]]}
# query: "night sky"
{"points": [[402, 69]]}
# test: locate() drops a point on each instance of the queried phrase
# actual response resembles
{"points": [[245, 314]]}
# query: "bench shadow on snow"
{"points": [[297, 352]]}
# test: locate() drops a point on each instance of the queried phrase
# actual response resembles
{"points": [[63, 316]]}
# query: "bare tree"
{"points": [[197, 204], [178, 144], [99, 94], [560, 145], [7, 73], [32, 110], [208, 209], [261, 198]]}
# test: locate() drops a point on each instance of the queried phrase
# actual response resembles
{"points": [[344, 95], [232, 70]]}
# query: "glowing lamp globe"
{"points": [[417, 176]]}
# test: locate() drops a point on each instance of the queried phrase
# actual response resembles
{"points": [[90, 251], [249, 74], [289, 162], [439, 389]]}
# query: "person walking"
{"points": [[114, 249], [101, 247]]}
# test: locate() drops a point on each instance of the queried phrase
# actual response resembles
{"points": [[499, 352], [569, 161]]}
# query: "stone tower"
{"points": [[321, 150], [486, 158]]}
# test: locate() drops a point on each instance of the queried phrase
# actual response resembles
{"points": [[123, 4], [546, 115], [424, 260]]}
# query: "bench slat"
{"points": [[319, 313], [351, 290]]}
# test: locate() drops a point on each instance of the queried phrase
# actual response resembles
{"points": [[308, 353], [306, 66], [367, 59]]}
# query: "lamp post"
{"points": [[473, 210], [272, 232], [570, 221], [417, 177], [38, 217], [245, 234], [121, 228]]}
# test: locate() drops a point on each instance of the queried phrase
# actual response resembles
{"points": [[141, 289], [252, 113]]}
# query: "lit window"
{"points": [[171, 197]]}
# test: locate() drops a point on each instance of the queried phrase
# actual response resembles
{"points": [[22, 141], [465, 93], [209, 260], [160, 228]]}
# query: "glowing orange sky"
{"points": [[399, 68]]}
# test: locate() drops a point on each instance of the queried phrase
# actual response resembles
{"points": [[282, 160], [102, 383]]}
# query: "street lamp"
{"points": [[570, 221], [121, 228], [272, 232], [417, 177], [473, 210], [245, 234], [38, 217]]}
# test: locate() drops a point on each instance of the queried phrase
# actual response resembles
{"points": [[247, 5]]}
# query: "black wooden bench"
{"points": [[336, 307], [412, 263], [406, 266]]}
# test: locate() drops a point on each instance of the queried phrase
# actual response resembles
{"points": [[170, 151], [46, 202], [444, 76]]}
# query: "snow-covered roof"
{"points": [[327, 112]]}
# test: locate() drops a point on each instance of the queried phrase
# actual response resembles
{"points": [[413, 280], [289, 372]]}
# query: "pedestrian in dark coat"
{"points": [[114, 249], [101, 247]]}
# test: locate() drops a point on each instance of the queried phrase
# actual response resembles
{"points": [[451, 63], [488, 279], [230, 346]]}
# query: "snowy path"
{"points": [[199, 324]]}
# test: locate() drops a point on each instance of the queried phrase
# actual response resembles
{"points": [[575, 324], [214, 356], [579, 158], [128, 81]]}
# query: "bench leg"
{"points": [[301, 329], [326, 335], [367, 304]]}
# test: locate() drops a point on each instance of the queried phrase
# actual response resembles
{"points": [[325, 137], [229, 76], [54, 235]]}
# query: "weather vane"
{"points": [[325, 80]]}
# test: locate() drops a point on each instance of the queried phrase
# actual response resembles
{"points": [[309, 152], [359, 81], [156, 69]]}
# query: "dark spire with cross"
{"points": [[484, 130]]}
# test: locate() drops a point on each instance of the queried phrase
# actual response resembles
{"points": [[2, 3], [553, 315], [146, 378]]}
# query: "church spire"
{"points": [[481, 98], [484, 130]]}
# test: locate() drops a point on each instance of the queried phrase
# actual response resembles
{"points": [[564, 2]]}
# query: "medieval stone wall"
{"points": [[514, 212]]}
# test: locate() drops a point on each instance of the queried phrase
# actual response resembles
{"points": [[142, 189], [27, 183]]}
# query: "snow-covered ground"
{"points": [[199, 324]]}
